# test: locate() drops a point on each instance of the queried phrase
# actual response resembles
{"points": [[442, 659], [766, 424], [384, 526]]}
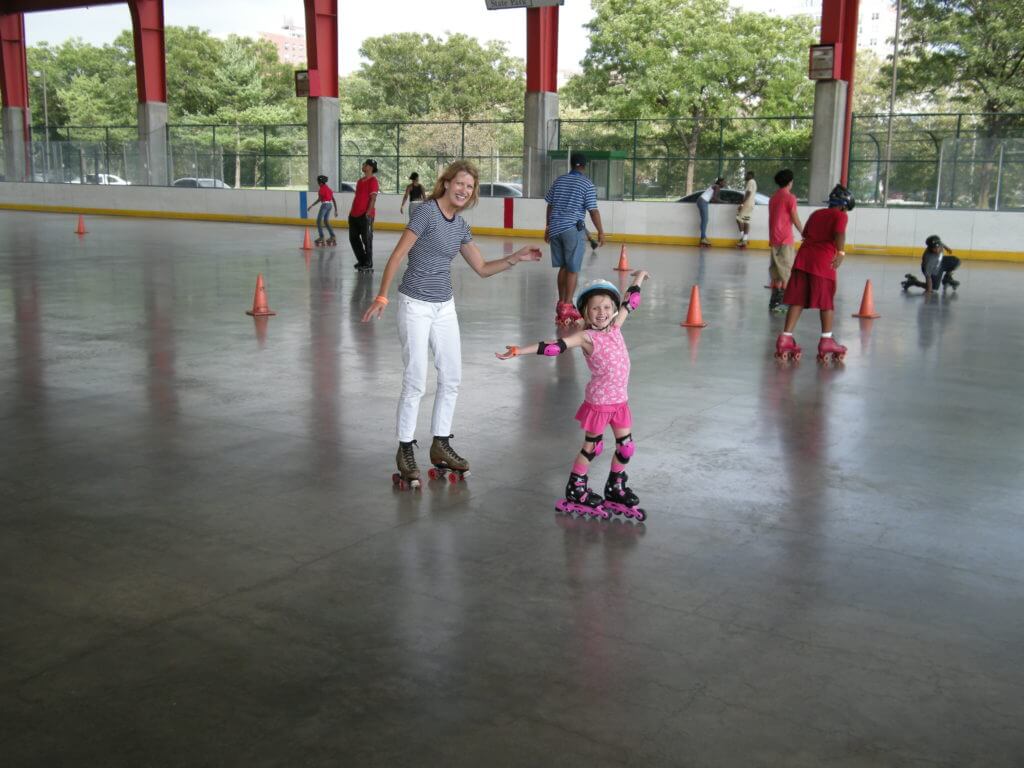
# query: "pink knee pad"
{"points": [[598, 446], [626, 448]]}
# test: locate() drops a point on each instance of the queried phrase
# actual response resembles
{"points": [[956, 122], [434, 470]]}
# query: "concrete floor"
{"points": [[205, 563]]}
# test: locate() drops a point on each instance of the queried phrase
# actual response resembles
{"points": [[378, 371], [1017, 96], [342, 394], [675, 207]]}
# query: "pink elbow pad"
{"points": [[633, 300], [551, 349]]}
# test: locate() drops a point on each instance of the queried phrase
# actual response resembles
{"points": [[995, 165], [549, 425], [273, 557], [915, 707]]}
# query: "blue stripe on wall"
{"points": [[302, 205]]}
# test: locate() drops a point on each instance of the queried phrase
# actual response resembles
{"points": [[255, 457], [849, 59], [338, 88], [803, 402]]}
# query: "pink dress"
{"points": [[606, 399]]}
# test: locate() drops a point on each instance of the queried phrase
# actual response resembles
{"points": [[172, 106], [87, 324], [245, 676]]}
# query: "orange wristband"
{"points": [[382, 300], [514, 350]]}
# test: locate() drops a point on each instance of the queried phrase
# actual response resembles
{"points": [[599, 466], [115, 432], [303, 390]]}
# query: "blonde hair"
{"points": [[453, 170]]}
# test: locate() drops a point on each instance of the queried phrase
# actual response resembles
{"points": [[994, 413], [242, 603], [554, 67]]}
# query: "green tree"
{"points": [[971, 51], [694, 61], [408, 76]]}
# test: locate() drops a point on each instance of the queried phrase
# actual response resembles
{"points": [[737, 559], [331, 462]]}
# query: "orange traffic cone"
{"points": [[259, 301], [623, 260], [867, 304], [307, 244], [693, 316], [80, 229]]}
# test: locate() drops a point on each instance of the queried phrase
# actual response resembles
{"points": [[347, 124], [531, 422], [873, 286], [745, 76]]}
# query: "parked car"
{"points": [[191, 181], [101, 178], [501, 189], [725, 195]]}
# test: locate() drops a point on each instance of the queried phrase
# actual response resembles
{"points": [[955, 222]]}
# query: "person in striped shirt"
{"points": [[571, 196], [426, 311]]}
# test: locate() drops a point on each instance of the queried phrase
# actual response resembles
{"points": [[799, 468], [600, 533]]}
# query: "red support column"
{"points": [[14, 88], [542, 49], [13, 64], [150, 60], [839, 28], [322, 47]]}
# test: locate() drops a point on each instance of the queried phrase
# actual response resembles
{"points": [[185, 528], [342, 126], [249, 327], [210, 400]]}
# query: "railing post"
{"points": [[106, 150], [265, 159], [398, 157], [462, 152], [999, 175], [636, 124], [956, 158], [721, 145]]}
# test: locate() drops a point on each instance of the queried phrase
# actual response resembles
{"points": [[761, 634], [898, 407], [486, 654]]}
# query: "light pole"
{"points": [[46, 128], [892, 106]]}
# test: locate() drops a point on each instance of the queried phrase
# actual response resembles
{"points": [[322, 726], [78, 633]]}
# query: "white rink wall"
{"points": [[897, 231]]}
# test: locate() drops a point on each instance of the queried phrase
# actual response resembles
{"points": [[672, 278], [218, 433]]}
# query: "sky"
{"points": [[357, 20]]}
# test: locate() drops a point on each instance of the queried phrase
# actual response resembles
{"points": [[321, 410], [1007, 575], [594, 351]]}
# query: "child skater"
{"points": [[605, 402], [812, 283], [325, 198], [937, 264]]}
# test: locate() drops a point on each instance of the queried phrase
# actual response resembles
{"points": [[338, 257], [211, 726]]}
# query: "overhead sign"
{"points": [[500, 5]]}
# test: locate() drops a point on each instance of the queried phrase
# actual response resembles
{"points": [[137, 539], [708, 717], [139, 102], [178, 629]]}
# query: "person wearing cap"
{"points": [[745, 210], [569, 199], [606, 403], [413, 193], [361, 214], [937, 264]]}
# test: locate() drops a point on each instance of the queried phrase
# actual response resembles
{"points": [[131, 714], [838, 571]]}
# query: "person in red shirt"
{"points": [[812, 283], [361, 215], [782, 217], [325, 198]]}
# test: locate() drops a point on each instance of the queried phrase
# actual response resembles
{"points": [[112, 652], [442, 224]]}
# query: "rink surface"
{"points": [[205, 562]]}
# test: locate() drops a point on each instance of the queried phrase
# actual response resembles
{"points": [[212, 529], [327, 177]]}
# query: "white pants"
{"points": [[424, 325]]}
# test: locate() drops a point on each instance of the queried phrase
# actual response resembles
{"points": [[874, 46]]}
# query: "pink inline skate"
{"points": [[581, 500], [829, 350], [786, 348]]}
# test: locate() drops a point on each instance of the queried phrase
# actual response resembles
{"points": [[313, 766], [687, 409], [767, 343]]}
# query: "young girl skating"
{"points": [[605, 402]]}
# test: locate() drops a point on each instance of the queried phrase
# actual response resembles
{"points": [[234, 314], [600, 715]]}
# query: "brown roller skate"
{"points": [[446, 461], [408, 474]]}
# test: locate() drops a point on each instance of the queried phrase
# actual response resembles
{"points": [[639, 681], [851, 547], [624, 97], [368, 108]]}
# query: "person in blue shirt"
{"points": [[571, 196]]}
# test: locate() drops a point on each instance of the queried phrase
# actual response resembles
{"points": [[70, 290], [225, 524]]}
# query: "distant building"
{"points": [[291, 46], [875, 28]]}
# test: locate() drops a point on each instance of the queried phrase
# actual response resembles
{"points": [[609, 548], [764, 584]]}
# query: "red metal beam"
{"points": [[839, 27], [322, 47], [30, 6], [13, 64], [150, 59], [542, 49]]}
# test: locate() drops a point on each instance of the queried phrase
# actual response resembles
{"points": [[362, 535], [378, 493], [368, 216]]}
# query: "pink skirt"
{"points": [[594, 418]]}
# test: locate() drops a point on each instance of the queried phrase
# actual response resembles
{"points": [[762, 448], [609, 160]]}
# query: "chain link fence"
{"points": [[427, 147], [668, 159], [963, 161]]}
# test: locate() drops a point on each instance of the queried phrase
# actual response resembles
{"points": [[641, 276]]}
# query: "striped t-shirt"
{"points": [[429, 274], [570, 197]]}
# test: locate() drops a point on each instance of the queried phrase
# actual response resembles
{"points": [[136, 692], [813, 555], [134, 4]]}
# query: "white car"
{"points": [[101, 178], [191, 181]]}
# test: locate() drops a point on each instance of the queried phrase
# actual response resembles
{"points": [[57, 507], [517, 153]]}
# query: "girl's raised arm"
{"points": [[632, 299]]}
